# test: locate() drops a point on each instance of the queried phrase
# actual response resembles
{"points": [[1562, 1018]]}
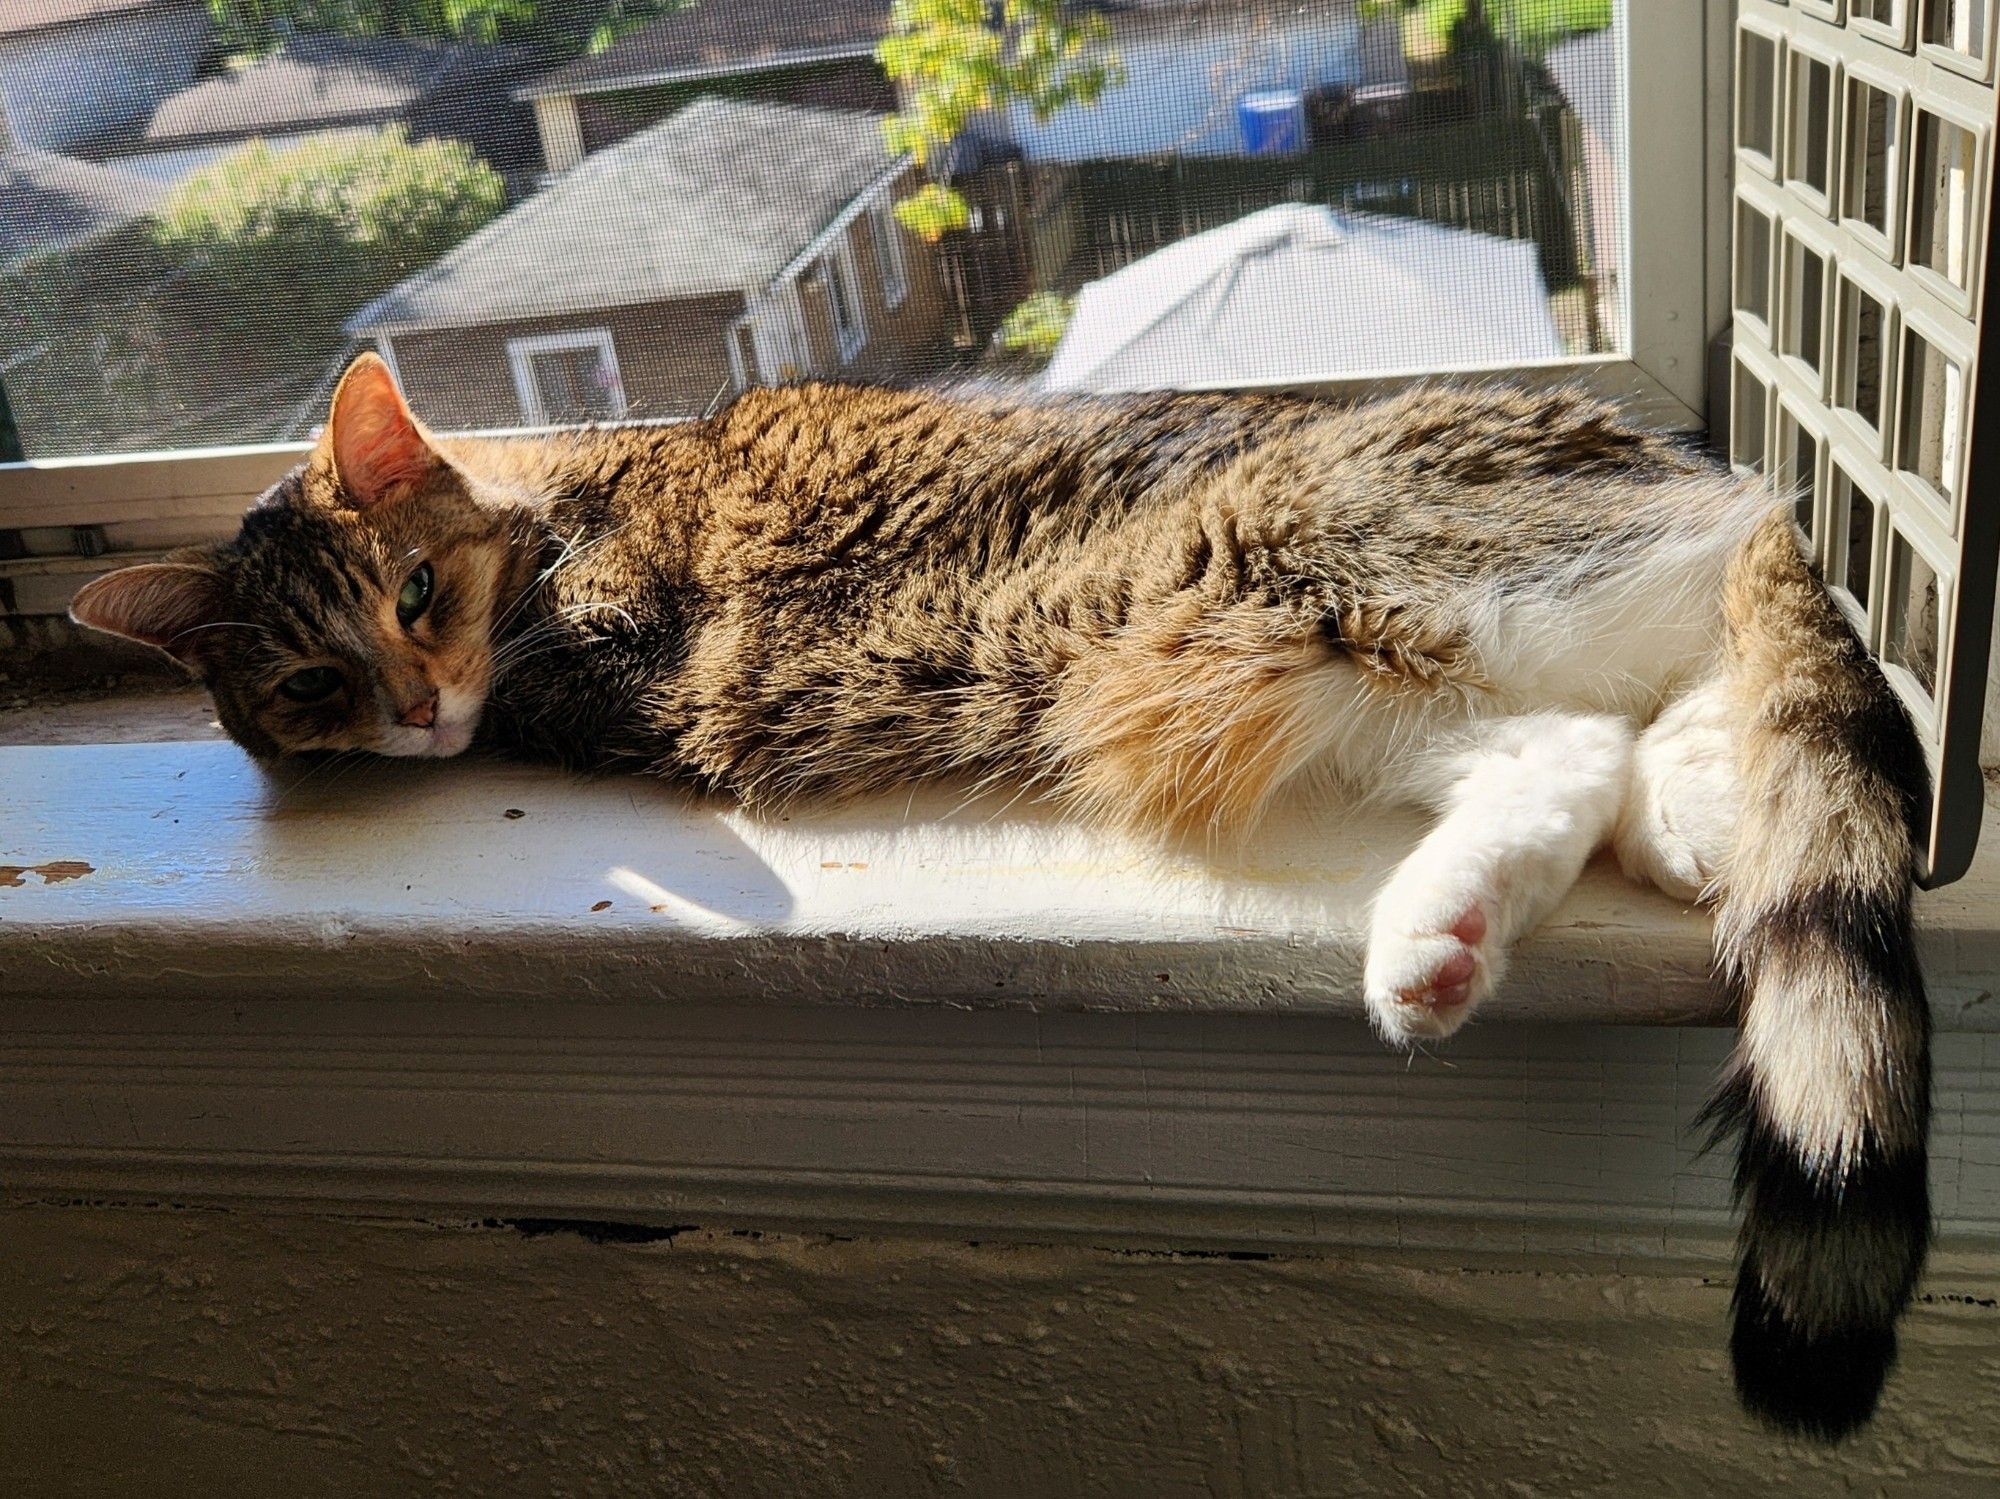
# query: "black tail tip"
{"points": [[1822, 1387]]}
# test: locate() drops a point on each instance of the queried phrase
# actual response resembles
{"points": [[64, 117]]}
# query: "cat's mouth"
{"points": [[450, 732], [449, 739]]}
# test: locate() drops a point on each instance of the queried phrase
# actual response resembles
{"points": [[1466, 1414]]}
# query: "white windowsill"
{"points": [[396, 880], [372, 875], [375, 990]]}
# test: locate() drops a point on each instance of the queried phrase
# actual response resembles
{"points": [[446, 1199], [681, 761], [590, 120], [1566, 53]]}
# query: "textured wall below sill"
{"points": [[166, 1353]]}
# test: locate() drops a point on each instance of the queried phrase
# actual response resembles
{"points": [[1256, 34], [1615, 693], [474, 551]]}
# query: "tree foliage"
{"points": [[1036, 326], [958, 59], [565, 25], [1451, 27], [307, 233], [217, 319]]}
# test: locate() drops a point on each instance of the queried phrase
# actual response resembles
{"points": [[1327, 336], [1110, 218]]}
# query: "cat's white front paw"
{"points": [[1528, 800], [1426, 970]]}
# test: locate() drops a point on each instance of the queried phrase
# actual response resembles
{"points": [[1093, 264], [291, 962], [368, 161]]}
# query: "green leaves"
{"points": [[1437, 27], [933, 210], [258, 25], [1036, 326], [322, 226], [959, 59], [216, 320]]}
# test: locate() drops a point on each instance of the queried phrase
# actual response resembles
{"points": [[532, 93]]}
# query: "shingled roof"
{"points": [[50, 202], [322, 82], [38, 15], [709, 39], [720, 197]]}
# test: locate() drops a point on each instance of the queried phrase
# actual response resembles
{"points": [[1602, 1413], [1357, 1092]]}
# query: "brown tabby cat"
{"points": [[1554, 630]]}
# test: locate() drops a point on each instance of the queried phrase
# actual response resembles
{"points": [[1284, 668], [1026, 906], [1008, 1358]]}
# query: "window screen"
{"points": [[547, 211], [1864, 138]]}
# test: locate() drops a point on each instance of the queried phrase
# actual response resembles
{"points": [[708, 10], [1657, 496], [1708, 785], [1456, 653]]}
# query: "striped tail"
{"points": [[1830, 1084]]}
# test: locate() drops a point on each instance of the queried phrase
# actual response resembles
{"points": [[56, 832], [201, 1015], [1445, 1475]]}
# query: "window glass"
{"points": [[1756, 93], [1958, 25], [1749, 405], [843, 304], [568, 378], [1863, 357], [1753, 262], [1852, 557], [1933, 403], [888, 237], [747, 370], [1811, 130], [1914, 614], [1941, 224], [1805, 303], [1874, 156], [579, 210]]}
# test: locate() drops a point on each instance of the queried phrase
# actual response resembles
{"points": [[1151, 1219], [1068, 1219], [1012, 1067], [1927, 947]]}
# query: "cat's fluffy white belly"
{"points": [[1627, 646]]}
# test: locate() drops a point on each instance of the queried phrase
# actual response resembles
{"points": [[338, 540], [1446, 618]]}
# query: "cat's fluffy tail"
{"points": [[1830, 1084]]}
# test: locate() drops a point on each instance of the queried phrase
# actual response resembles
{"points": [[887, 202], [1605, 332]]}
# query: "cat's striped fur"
{"points": [[1555, 630]]}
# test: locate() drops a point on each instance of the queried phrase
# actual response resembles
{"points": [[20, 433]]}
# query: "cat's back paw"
{"points": [[1678, 824]]}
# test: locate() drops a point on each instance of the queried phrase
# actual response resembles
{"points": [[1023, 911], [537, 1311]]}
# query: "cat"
{"points": [[1554, 630]]}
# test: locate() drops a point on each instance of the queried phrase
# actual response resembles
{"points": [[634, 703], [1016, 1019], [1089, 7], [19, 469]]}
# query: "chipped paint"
{"points": [[54, 872]]}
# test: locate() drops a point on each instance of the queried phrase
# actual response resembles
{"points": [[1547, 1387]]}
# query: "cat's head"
{"points": [[355, 608]]}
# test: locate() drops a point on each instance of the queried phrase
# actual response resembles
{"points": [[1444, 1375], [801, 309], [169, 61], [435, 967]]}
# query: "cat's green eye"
{"points": [[415, 597], [311, 685]]}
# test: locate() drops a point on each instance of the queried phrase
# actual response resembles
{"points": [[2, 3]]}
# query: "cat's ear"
{"points": [[378, 452], [167, 604]]}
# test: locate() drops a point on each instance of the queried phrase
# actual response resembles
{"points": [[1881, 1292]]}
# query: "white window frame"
{"points": [[500, 1155], [890, 266], [1676, 296], [838, 262], [741, 375], [521, 354], [777, 339]]}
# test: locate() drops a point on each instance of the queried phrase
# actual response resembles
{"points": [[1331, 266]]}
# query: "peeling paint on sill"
{"points": [[55, 872]]}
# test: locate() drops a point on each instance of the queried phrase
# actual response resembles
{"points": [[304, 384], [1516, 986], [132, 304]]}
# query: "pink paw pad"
{"points": [[1451, 985]]}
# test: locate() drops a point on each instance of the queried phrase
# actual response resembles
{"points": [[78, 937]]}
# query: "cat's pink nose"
{"points": [[421, 715]]}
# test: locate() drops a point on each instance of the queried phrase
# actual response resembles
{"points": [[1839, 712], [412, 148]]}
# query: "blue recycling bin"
{"points": [[1273, 122]]}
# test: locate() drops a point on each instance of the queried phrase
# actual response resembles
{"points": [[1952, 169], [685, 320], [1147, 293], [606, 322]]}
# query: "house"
{"points": [[1297, 293], [51, 203], [820, 55], [1187, 64], [732, 243], [317, 84], [70, 70]]}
